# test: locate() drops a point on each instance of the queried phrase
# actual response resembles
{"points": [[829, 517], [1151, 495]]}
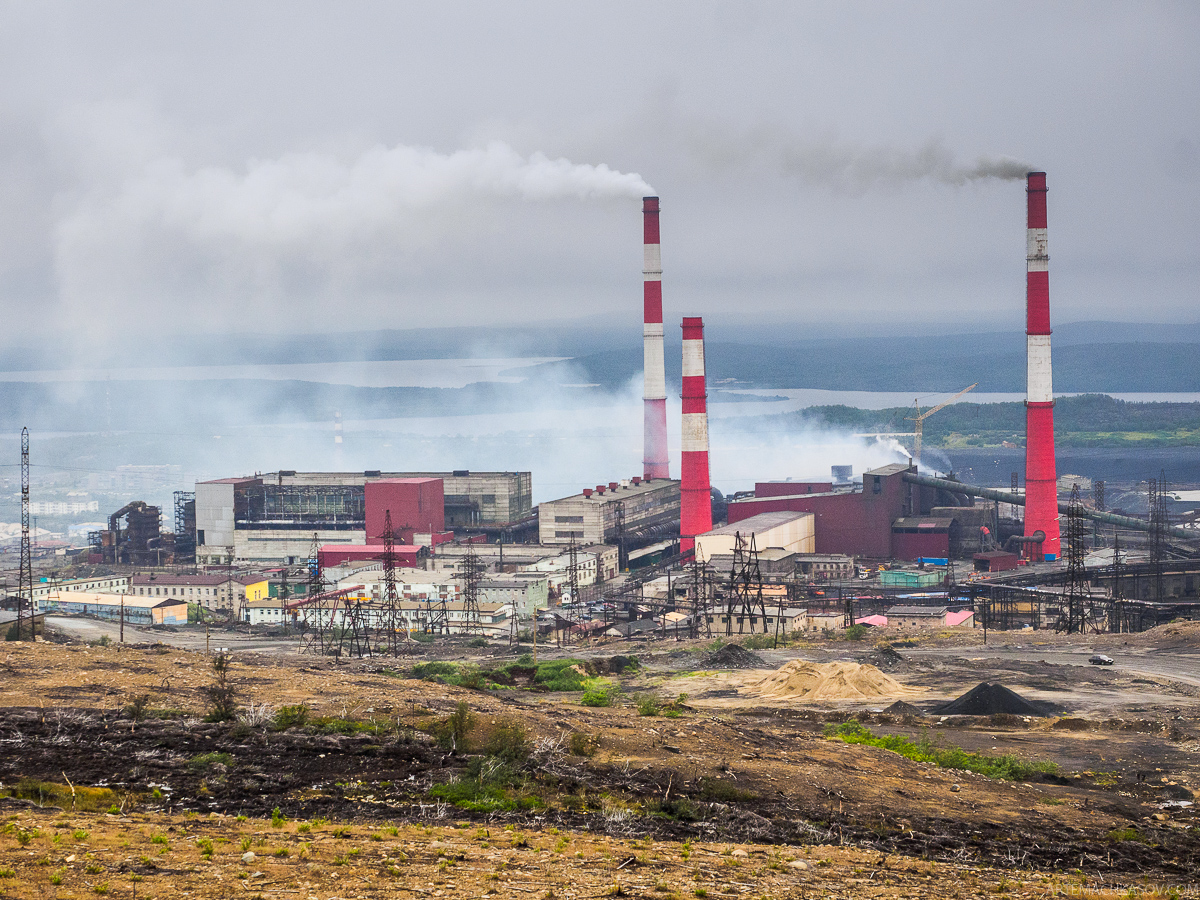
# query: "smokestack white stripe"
{"points": [[653, 362], [1039, 378], [652, 267], [694, 438]]}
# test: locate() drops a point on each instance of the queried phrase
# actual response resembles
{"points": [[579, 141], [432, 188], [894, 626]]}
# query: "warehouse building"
{"points": [[792, 532], [101, 584], [135, 610], [601, 515]]}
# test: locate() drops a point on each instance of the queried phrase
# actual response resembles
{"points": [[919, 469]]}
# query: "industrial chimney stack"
{"points": [[1041, 485], [695, 491], [654, 461]]}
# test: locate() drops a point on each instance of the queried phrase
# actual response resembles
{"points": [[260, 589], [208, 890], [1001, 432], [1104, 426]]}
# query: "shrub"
{"points": [[580, 744], [477, 642], [599, 692], [453, 732], [222, 696], [137, 707], [856, 632], [509, 741], [647, 705], [431, 670], [291, 717]]}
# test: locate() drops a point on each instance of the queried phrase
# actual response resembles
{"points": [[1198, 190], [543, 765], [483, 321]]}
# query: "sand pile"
{"points": [[734, 656], [987, 699], [803, 680]]}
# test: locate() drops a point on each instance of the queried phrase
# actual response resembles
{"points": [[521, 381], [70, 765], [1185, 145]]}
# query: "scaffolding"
{"points": [[185, 526]]}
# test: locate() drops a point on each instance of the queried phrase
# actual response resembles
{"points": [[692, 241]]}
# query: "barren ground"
{"points": [[662, 806]]}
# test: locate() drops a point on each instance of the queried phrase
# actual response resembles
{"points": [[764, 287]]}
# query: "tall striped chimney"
{"points": [[695, 515], [1041, 486], [654, 457]]}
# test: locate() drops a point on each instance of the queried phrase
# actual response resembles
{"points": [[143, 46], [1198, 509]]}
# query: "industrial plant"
{"points": [[482, 558]]}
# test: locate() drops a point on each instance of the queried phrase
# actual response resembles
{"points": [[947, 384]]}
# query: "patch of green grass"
{"points": [[48, 793], [291, 717], [599, 692], [204, 761], [722, 791], [1006, 767], [563, 675]]}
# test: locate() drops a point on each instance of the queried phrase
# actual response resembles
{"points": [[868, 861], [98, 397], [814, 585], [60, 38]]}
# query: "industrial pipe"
{"points": [[1095, 515]]}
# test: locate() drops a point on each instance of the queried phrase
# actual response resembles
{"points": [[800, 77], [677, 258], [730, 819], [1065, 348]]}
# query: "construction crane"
{"points": [[919, 419]]}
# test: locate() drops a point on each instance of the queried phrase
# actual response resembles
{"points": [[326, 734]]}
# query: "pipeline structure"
{"points": [[1107, 518], [654, 393], [1041, 488], [695, 514]]}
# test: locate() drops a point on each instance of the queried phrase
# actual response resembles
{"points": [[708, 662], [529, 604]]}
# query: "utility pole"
{"points": [[25, 583]]}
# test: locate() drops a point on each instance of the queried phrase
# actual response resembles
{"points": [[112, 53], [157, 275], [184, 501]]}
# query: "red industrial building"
{"points": [[337, 554], [888, 518], [417, 505]]}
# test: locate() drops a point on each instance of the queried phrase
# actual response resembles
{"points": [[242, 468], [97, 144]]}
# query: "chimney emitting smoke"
{"points": [[654, 457], [1041, 484]]}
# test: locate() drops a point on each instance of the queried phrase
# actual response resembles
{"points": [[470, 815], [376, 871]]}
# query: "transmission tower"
{"points": [[391, 599], [1158, 525], [317, 619], [700, 593], [1076, 614], [472, 575], [561, 620], [745, 587], [25, 581]]}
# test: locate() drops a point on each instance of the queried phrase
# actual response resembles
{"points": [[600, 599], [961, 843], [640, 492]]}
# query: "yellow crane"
{"points": [[919, 419]]}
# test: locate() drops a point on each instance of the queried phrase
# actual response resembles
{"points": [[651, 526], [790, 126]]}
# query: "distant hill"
{"points": [[922, 363]]}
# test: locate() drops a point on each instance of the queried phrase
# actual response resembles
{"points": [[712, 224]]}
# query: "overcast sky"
{"points": [[311, 166]]}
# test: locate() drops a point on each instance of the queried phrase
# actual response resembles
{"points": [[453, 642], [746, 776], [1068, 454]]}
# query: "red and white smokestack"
{"points": [[695, 514], [654, 458], [1041, 484]]}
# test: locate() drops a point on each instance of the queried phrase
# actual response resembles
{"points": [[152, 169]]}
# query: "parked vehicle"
{"points": [[1100, 660]]}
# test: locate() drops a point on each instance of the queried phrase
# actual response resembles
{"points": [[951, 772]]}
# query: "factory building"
{"points": [[273, 518], [603, 514], [856, 522]]}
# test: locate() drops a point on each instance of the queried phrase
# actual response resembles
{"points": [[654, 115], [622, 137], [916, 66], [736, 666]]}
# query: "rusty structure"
{"points": [[134, 537]]}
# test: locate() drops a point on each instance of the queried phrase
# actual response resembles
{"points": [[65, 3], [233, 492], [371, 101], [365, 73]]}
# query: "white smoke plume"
{"points": [[286, 238], [298, 195]]}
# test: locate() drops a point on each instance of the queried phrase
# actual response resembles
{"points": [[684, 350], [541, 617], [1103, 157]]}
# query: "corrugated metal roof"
{"points": [[917, 611], [761, 522]]}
